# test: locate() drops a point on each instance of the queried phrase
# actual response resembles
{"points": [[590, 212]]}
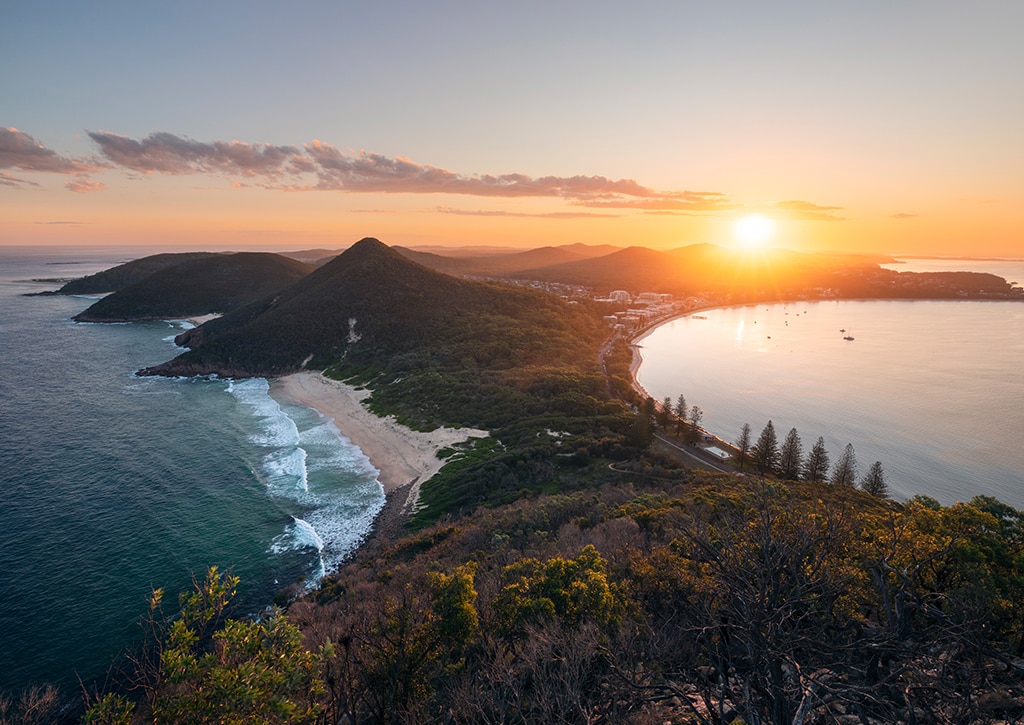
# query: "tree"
{"points": [[743, 446], [695, 416], [641, 432], [664, 414], [791, 456], [35, 705], [874, 481], [681, 413], [570, 590], [765, 452], [816, 464], [845, 471]]}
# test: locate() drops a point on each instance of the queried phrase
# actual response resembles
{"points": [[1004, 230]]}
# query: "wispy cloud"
{"points": [[807, 211], [169, 154], [319, 166], [667, 201], [548, 215], [18, 150], [904, 216], [322, 166], [63, 223], [84, 185], [9, 180]]}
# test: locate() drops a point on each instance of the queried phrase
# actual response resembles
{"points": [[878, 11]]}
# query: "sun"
{"points": [[753, 231]]}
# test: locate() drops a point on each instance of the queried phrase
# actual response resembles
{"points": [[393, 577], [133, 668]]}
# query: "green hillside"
{"points": [[198, 286], [371, 308], [129, 273]]}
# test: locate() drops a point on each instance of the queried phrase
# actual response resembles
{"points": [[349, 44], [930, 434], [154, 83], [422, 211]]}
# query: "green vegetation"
{"points": [[710, 600], [129, 273], [212, 669], [197, 286]]}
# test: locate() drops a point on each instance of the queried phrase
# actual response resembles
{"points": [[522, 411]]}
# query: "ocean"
{"points": [[111, 484], [931, 389]]}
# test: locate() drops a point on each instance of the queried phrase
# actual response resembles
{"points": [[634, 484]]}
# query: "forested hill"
{"points": [[372, 307], [123, 275], [196, 286]]}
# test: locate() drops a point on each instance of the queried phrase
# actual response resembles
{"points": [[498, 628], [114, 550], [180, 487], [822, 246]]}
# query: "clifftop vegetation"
{"points": [[694, 599]]}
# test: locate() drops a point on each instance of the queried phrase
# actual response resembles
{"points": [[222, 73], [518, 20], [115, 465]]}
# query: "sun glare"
{"points": [[754, 231]]}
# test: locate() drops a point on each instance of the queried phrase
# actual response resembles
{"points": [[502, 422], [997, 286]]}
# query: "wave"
{"points": [[327, 485], [286, 470], [276, 427], [183, 326]]}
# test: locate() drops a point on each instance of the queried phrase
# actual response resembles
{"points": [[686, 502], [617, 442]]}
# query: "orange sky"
{"points": [[869, 128]]}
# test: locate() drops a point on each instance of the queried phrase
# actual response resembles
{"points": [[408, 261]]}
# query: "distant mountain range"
{"points": [[687, 270]]}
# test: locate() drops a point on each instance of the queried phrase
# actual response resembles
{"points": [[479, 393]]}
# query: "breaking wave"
{"points": [[325, 484]]}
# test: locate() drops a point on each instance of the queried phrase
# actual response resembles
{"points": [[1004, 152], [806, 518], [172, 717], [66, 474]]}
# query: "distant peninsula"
{"points": [[192, 286]]}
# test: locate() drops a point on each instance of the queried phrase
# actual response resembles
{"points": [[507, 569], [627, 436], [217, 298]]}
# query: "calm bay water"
{"points": [[112, 484], [932, 389]]}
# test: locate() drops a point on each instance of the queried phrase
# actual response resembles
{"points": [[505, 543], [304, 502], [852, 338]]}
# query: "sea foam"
{"points": [[327, 485]]}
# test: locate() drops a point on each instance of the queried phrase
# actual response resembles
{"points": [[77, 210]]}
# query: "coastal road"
{"points": [[694, 456]]}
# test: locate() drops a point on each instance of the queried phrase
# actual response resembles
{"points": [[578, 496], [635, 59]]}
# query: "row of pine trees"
{"points": [[768, 458]]}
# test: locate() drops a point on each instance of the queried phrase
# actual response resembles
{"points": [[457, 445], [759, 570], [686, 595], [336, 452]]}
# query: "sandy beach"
{"points": [[404, 457]]}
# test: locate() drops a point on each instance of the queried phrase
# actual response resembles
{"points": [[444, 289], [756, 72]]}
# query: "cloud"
{"points": [[682, 201], [8, 180], [322, 166], [371, 172], [18, 150], [84, 185], [60, 223], [170, 154], [806, 211], [904, 216], [548, 215], [325, 167]]}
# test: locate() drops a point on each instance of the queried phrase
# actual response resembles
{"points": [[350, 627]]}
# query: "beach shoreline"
{"points": [[404, 458]]}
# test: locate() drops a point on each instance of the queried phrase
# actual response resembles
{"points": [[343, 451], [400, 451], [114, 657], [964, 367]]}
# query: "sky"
{"points": [[892, 127]]}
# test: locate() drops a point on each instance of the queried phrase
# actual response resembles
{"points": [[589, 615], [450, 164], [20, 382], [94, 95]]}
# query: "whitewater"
{"points": [[112, 484]]}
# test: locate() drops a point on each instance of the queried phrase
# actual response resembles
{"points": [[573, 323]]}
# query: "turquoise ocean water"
{"points": [[112, 484], [932, 389]]}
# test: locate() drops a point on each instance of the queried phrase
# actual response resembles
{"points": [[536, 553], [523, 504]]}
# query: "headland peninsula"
{"points": [[559, 564]]}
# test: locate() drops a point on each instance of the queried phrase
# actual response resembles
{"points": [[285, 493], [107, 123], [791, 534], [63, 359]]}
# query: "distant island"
{"points": [[566, 562]]}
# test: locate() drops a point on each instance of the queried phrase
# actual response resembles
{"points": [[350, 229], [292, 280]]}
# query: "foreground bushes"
{"points": [[709, 602]]}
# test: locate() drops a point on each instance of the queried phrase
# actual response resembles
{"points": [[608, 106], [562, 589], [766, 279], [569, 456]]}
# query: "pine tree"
{"points": [[664, 414], [845, 471], [791, 456], [681, 413], [765, 452], [695, 416], [743, 446], [874, 481], [816, 465]]}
